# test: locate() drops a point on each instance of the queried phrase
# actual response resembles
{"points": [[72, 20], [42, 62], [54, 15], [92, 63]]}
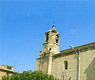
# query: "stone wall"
{"points": [[58, 68], [87, 66], [5, 73], [42, 64], [2, 74], [6, 70]]}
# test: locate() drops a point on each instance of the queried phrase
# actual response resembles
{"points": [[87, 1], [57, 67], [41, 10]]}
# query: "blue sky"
{"points": [[23, 24]]}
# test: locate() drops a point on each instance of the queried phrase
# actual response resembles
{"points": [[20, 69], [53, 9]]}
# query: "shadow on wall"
{"points": [[90, 71]]}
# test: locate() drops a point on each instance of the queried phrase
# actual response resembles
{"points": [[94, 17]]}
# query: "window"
{"points": [[9, 67], [8, 73], [57, 38], [49, 49], [66, 64], [47, 37]]}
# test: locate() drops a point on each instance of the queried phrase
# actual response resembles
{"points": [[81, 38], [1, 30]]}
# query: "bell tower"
{"points": [[51, 42], [50, 47]]}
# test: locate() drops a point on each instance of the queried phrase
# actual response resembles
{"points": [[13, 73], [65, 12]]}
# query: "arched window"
{"points": [[57, 38], [66, 64], [47, 37], [49, 49]]}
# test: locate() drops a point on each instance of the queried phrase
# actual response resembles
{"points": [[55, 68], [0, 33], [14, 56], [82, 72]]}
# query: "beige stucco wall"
{"points": [[87, 66], [42, 64], [2, 74], [58, 69]]}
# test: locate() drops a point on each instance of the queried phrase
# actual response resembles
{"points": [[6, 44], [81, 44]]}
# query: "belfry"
{"points": [[51, 42]]}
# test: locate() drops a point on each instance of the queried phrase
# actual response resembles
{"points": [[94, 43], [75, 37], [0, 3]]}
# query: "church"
{"points": [[76, 63]]}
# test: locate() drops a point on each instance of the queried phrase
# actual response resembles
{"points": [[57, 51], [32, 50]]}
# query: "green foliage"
{"points": [[29, 75]]}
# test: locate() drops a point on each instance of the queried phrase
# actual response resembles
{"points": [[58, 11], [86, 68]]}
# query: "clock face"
{"points": [[45, 45]]}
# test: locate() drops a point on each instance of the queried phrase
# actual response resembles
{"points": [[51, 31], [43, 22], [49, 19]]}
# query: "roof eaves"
{"points": [[69, 51]]}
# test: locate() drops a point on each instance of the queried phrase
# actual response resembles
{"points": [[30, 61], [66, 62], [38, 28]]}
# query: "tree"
{"points": [[29, 75]]}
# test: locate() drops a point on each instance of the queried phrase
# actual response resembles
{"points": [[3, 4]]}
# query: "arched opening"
{"points": [[57, 38], [66, 64]]}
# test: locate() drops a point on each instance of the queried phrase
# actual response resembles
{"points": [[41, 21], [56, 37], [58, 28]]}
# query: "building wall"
{"points": [[87, 66], [90, 71], [58, 68], [42, 64], [6, 70], [2, 74]]}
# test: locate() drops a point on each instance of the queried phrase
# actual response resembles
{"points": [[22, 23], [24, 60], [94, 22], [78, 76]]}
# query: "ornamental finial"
{"points": [[53, 27]]}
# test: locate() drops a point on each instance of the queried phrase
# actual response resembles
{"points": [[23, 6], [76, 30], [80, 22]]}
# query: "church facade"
{"points": [[76, 63]]}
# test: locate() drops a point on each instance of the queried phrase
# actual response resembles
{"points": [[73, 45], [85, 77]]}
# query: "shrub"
{"points": [[29, 75]]}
